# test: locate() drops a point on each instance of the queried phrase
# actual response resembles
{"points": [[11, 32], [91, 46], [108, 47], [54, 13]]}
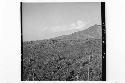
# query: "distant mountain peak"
{"points": [[94, 31]]}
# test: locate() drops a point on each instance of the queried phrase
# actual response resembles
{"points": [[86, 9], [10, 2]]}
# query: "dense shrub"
{"points": [[62, 60]]}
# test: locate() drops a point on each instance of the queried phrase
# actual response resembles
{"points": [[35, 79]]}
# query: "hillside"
{"points": [[77, 56]]}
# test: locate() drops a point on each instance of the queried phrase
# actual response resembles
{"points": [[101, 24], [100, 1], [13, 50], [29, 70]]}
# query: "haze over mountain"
{"points": [[94, 31], [91, 32]]}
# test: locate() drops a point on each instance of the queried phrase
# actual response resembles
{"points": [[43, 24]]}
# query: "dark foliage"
{"points": [[59, 59]]}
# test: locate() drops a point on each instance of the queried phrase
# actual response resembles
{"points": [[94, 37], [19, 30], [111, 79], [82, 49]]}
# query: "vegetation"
{"points": [[60, 59]]}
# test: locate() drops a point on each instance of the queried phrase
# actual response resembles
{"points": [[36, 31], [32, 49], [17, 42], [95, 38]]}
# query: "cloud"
{"points": [[80, 24], [73, 25], [76, 25]]}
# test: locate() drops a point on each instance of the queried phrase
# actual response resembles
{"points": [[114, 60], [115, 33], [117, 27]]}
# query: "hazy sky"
{"points": [[47, 20]]}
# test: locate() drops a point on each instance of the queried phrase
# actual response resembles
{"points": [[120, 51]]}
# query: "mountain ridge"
{"points": [[91, 32]]}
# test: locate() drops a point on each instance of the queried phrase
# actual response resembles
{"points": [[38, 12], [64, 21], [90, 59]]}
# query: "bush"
{"points": [[62, 60]]}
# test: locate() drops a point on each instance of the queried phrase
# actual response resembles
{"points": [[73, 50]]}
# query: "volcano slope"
{"points": [[74, 57]]}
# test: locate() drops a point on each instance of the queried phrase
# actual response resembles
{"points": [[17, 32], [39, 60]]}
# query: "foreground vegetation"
{"points": [[64, 60]]}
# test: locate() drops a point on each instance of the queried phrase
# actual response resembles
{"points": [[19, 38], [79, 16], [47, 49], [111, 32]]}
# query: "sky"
{"points": [[47, 20]]}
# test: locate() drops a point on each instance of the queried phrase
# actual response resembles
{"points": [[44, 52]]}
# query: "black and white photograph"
{"points": [[63, 41]]}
